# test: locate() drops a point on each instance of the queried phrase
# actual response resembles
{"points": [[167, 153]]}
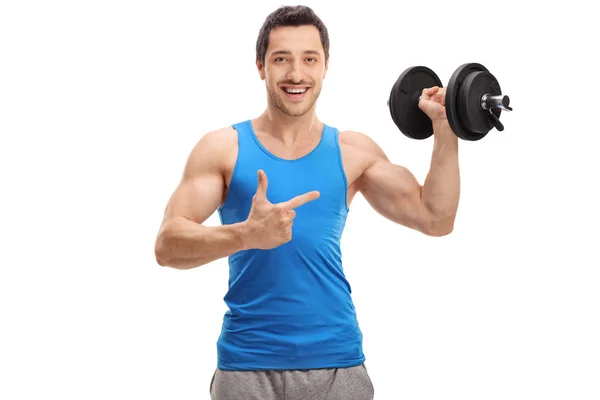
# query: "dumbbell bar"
{"points": [[474, 102]]}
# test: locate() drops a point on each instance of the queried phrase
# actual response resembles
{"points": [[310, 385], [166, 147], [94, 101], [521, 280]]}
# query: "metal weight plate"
{"points": [[404, 102], [477, 120], [452, 100]]}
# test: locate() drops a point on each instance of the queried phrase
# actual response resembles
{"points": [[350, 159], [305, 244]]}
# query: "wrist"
{"points": [[443, 131], [441, 125], [241, 235]]}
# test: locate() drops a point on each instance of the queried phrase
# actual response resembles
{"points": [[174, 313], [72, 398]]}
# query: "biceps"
{"points": [[196, 197], [394, 192]]}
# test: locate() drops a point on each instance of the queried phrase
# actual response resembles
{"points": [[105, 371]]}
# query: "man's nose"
{"points": [[295, 72]]}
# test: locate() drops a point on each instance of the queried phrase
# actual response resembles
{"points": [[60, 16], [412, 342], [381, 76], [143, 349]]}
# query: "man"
{"points": [[282, 184]]}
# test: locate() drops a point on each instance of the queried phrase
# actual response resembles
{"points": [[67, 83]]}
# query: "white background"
{"points": [[101, 102]]}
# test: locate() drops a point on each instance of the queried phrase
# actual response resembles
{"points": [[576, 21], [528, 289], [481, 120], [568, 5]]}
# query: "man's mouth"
{"points": [[295, 93]]}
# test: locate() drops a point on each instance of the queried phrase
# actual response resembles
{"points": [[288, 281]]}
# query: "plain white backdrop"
{"points": [[101, 102]]}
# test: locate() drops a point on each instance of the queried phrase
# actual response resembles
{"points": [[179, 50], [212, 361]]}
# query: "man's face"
{"points": [[294, 68]]}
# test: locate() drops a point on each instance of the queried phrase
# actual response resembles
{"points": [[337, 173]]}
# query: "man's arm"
{"points": [[182, 241], [394, 192]]}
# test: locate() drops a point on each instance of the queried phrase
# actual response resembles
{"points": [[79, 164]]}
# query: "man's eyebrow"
{"points": [[287, 52]]}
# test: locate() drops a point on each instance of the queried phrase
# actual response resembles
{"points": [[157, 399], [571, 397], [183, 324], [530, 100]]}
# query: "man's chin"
{"points": [[294, 111]]}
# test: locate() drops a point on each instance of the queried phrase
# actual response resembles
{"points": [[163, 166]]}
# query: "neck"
{"points": [[289, 129]]}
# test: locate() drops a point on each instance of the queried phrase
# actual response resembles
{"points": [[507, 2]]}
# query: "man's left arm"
{"points": [[394, 192]]}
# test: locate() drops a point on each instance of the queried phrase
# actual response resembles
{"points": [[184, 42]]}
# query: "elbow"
{"points": [[165, 256], [440, 232], [440, 227], [164, 261], [160, 252], [161, 260]]}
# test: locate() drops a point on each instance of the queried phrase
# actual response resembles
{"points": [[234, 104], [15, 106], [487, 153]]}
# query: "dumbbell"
{"points": [[474, 102]]}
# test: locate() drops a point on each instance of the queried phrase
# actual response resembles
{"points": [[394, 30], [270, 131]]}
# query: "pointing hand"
{"points": [[270, 225]]}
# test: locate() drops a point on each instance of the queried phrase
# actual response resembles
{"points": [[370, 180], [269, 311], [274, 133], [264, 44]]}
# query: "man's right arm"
{"points": [[182, 241]]}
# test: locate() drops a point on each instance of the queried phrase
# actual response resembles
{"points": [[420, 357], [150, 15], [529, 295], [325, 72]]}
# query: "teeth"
{"points": [[295, 91]]}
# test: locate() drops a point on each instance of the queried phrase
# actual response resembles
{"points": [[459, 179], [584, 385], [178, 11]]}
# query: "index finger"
{"points": [[300, 200]]}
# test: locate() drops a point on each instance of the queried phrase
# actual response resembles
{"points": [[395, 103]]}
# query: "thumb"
{"points": [[261, 190]]}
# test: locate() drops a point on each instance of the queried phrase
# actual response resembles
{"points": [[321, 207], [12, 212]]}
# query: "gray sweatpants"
{"points": [[351, 383]]}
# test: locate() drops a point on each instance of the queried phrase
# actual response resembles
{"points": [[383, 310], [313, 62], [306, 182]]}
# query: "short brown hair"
{"points": [[290, 16]]}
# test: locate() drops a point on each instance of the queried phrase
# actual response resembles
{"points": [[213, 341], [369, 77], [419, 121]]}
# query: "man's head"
{"points": [[292, 53]]}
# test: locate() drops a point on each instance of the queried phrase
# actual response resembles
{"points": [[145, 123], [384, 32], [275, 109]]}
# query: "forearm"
{"points": [[184, 244], [441, 190]]}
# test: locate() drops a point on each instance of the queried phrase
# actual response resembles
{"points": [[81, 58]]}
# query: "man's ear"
{"points": [[261, 69]]}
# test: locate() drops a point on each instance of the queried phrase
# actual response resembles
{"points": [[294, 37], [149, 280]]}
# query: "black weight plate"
{"points": [[404, 102], [473, 116], [452, 92]]}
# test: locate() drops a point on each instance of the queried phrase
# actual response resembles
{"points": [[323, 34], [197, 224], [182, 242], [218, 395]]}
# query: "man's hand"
{"points": [[433, 103], [270, 225]]}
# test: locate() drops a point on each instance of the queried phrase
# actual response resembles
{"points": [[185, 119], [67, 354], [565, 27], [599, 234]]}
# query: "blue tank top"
{"points": [[290, 307]]}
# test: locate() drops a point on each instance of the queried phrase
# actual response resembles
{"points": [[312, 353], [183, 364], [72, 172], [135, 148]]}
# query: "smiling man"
{"points": [[282, 184]]}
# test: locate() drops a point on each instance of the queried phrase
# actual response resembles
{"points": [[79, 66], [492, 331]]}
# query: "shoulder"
{"points": [[360, 142], [217, 141], [354, 138], [220, 139], [214, 148], [359, 153]]}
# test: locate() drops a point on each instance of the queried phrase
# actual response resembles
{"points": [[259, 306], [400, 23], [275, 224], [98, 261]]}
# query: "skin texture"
{"points": [[290, 129]]}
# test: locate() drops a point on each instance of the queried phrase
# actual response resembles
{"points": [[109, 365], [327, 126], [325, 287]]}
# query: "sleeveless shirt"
{"points": [[290, 307]]}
